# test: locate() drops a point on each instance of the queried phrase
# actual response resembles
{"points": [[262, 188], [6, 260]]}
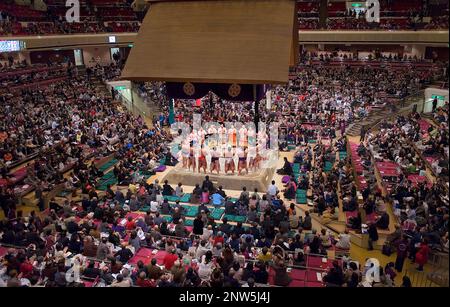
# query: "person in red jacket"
{"points": [[144, 282], [219, 239], [422, 254], [170, 259], [26, 268], [130, 225]]}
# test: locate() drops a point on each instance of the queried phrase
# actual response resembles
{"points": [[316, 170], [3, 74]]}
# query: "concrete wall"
{"points": [[428, 103], [17, 56], [23, 2], [74, 40], [435, 38], [40, 5], [373, 37], [51, 56], [94, 55]]}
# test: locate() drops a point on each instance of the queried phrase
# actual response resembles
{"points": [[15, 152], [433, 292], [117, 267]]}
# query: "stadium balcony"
{"points": [[117, 16], [308, 9], [22, 13]]}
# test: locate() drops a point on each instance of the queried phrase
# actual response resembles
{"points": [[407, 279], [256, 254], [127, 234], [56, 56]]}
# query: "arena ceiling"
{"points": [[219, 41]]}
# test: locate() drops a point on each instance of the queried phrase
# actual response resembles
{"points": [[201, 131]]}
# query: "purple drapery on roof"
{"points": [[233, 92]]}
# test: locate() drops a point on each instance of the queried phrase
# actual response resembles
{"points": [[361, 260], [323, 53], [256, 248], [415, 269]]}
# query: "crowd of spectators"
{"points": [[100, 239], [15, 79], [69, 123], [109, 72], [420, 206], [438, 23], [63, 27], [123, 20], [63, 127], [331, 97]]}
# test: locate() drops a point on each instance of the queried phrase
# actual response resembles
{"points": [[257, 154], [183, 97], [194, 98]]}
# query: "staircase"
{"points": [[138, 107], [100, 86], [377, 114], [151, 107], [440, 84], [430, 118], [374, 117]]}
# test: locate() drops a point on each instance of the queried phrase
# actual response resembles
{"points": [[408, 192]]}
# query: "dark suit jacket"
{"points": [[154, 272]]}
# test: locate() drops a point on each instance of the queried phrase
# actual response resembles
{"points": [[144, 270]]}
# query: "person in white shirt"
{"points": [[2, 275], [154, 206], [344, 241], [202, 248], [250, 283], [207, 233], [206, 266], [272, 190]]}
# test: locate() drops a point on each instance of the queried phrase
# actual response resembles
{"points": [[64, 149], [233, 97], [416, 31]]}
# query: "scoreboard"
{"points": [[11, 46]]}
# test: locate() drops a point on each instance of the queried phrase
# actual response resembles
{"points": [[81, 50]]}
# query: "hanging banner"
{"points": [[233, 92]]}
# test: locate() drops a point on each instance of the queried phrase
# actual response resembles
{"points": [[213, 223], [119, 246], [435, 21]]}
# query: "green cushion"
{"points": [[171, 198], [63, 193], [185, 198], [291, 233], [107, 165], [145, 174], [104, 185], [188, 222], [328, 166], [241, 219], [217, 213], [235, 218], [301, 199], [108, 176], [106, 179], [190, 211], [145, 209], [168, 218], [233, 200]]}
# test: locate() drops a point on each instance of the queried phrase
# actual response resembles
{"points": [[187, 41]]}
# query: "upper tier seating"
{"points": [[395, 15], [21, 13]]}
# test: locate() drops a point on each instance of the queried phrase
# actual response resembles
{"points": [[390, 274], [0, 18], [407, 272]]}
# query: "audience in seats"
{"points": [[136, 232]]}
